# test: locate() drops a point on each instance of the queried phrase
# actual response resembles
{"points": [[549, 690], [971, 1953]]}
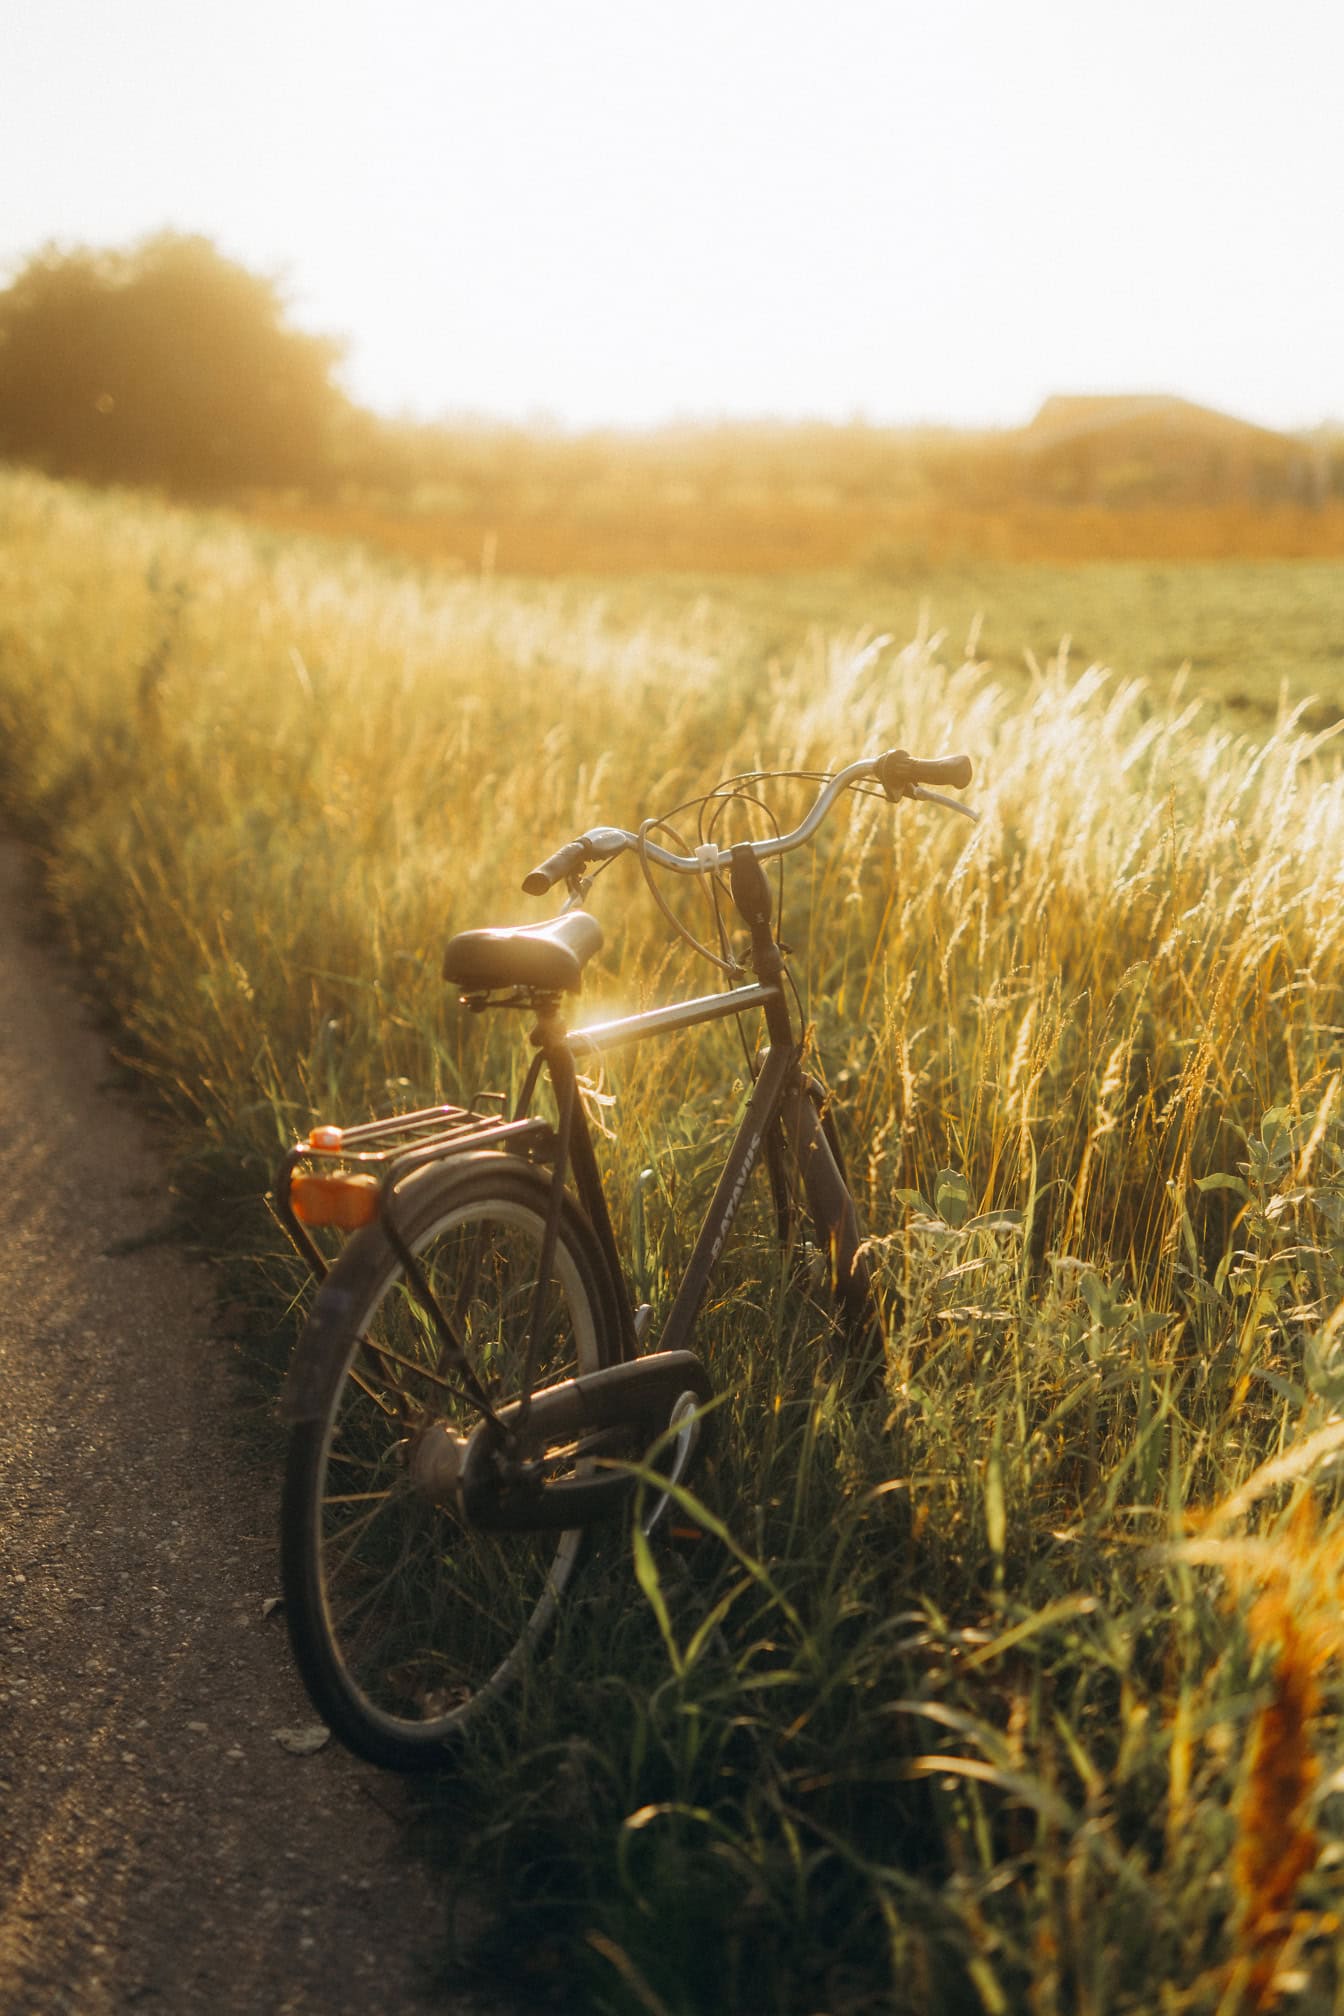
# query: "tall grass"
{"points": [[946, 1710]]}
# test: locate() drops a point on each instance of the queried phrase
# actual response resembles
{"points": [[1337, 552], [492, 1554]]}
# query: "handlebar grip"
{"points": [[898, 770], [555, 868]]}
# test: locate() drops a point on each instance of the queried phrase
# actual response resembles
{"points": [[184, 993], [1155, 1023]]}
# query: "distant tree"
{"points": [[165, 363]]}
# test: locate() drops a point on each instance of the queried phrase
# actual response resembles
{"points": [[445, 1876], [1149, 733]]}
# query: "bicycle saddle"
{"points": [[548, 957]]}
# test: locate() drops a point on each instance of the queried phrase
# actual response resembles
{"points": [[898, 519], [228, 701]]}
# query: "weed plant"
{"points": [[1008, 1689]]}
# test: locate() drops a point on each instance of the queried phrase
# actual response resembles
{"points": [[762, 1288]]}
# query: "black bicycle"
{"points": [[472, 1392]]}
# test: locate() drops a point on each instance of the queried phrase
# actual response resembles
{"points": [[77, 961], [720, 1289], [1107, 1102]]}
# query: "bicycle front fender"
{"points": [[833, 1215]]}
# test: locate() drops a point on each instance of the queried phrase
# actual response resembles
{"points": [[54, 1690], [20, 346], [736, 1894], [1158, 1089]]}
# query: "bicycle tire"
{"points": [[406, 1623]]}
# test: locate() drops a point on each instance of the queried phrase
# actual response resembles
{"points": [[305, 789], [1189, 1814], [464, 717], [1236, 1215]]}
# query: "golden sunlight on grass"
{"points": [[972, 1724]]}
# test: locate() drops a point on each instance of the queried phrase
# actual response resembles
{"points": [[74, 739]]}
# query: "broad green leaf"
{"points": [[996, 1221], [952, 1196]]}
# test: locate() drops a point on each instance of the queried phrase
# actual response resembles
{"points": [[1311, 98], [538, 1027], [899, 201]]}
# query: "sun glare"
{"points": [[617, 215]]}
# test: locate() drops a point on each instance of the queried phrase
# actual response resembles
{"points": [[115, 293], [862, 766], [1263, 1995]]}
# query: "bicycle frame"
{"points": [[779, 1093], [558, 1051]]}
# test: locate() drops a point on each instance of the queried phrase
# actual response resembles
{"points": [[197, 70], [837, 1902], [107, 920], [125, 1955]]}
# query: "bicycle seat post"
{"points": [[548, 1032], [575, 1151]]}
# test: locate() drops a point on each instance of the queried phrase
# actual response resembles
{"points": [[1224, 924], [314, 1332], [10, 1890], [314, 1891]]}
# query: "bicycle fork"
{"points": [[828, 1196]]}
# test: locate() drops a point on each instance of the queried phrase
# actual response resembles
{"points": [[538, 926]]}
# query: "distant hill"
{"points": [[1151, 448]]}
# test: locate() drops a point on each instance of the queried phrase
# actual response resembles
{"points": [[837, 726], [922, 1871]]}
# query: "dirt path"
{"points": [[159, 1849]]}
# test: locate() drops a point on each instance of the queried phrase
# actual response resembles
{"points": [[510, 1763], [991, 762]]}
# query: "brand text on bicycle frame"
{"points": [[735, 1196]]}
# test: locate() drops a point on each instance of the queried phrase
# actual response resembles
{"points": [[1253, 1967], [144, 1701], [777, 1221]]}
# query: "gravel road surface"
{"points": [[159, 1848]]}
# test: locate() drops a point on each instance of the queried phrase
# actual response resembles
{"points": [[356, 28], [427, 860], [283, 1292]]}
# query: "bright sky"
{"points": [[617, 211]]}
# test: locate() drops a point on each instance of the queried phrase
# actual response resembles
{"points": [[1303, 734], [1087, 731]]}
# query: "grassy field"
{"points": [[759, 519], [1015, 1689], [1243, 635]]}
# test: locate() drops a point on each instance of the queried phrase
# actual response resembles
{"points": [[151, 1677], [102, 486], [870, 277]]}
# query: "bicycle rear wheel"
{"points": [[406, 1622]]}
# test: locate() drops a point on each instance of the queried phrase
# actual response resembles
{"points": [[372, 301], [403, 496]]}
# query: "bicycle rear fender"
{"points": [[349, 1286], [327, 1330]]}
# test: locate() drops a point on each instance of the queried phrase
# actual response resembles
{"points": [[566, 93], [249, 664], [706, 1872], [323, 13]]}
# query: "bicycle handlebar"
{"points": [[555, 868], [897, 771], [900, 775]]}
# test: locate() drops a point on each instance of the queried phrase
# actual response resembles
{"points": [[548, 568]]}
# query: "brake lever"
{"points": [[951, 804]]}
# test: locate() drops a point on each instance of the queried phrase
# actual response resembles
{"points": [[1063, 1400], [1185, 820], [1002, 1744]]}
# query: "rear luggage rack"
{"points": [[346, 1177]]}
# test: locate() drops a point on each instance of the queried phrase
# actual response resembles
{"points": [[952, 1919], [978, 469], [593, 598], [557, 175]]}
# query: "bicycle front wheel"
{"points": [[405, 1621]]}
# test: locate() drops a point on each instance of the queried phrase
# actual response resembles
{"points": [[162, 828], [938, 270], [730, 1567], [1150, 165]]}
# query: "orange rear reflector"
{"points": [[343, 1201], [325, 1137]]}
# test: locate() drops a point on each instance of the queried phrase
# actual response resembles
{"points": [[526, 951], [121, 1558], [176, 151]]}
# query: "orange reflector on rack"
{"points": [[325, 1137], [345, 1201]]}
